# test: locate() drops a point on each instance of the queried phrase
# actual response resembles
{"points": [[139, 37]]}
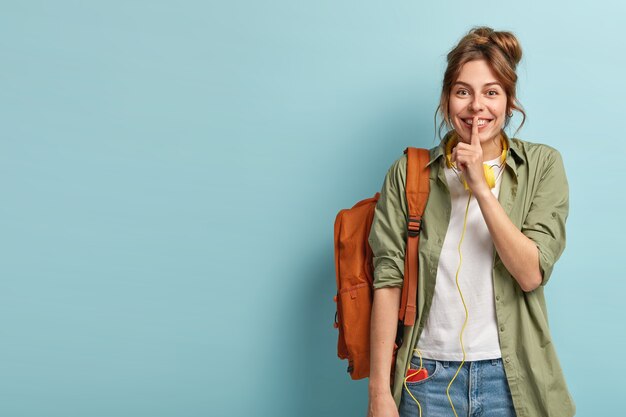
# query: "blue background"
{"points": [[170, 173]]}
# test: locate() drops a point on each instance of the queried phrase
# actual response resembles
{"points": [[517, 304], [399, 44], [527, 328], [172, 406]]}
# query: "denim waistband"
{"points": [[446, 363], [494, 362]]}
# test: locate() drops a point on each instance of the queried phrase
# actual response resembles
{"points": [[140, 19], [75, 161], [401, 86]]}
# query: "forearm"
{"points": [[384, 322], [519, 254]]}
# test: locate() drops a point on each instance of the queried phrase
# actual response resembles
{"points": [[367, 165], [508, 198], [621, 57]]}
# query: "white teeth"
{"points": [[480, 121]]}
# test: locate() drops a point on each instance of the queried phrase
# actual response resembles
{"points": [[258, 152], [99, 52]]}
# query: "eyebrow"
{"points": [[491, 83]]}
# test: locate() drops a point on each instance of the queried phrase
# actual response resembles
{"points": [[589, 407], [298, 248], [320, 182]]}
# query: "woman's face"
{"points": [[477, 92]]}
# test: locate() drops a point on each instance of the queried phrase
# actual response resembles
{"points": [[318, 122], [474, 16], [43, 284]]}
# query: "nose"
{"points": [[476, 105]]}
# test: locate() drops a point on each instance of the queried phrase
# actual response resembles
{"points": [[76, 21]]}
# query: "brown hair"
{"points": [[502, 52]]}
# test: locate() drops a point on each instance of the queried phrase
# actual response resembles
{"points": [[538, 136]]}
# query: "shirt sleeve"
{"points": [[545, 221], [388, 232]]}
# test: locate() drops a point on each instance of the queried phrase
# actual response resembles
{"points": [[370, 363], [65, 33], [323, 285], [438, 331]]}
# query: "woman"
{"points": [[492, 230]]}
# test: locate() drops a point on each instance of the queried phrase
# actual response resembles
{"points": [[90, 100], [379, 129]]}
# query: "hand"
{"points": [[469, 160], [382, 405]]}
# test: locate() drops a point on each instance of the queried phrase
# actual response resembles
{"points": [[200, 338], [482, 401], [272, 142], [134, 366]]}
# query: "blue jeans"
{"points": [[479, 390]]}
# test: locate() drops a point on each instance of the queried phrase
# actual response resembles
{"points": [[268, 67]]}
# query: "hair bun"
{"points": [[506, 41]]}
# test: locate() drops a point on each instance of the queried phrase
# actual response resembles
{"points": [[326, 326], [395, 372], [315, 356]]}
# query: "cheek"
{"points": [[500, 108], [454, 105], [498, 111]]}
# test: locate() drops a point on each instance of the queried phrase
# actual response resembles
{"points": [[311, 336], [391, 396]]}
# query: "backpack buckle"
{"points": [[414, 226]]}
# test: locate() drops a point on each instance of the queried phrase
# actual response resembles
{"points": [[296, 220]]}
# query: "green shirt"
{"points": [[534, 194]]}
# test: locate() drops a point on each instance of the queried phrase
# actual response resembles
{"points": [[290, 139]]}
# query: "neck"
{"points": [[492, 148]]}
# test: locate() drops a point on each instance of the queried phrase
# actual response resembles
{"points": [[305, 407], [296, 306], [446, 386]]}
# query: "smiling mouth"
{"points": [[481, 123]]}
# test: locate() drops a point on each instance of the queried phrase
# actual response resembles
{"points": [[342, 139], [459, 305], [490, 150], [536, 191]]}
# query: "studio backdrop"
{"points": [[170, 173]]}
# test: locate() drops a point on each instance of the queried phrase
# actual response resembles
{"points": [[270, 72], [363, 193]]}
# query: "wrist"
{"points": [[482, 193], [378, 387]]}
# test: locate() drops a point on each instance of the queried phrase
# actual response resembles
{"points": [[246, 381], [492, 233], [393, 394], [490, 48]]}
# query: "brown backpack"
{"points": [[355, 272]]}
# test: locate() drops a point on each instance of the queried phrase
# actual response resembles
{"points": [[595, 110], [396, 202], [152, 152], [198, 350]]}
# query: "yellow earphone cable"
{"points": [[419, 406], [464, 305], [490, 177]]}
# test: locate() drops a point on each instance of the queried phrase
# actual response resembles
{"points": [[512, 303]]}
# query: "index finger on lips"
{"points": [[474, 139]]}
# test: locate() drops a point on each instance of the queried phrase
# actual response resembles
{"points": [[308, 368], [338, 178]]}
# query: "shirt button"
{"points": [[440, 241], [497, 298], [501, 328], [507, 359]]}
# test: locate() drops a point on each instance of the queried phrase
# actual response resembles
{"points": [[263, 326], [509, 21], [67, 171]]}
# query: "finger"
{"points": [[474, 139], [467, 153], [466, 158], [463, 146]]}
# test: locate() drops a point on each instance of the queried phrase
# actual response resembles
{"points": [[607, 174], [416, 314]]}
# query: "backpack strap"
{"points": [[417, 189]]}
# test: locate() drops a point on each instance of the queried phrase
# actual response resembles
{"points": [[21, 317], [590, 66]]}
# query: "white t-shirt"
{"points": [[440, 337]]}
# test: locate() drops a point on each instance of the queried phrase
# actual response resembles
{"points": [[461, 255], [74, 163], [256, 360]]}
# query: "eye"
{"points": [[461, 91], [492, 91]]}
